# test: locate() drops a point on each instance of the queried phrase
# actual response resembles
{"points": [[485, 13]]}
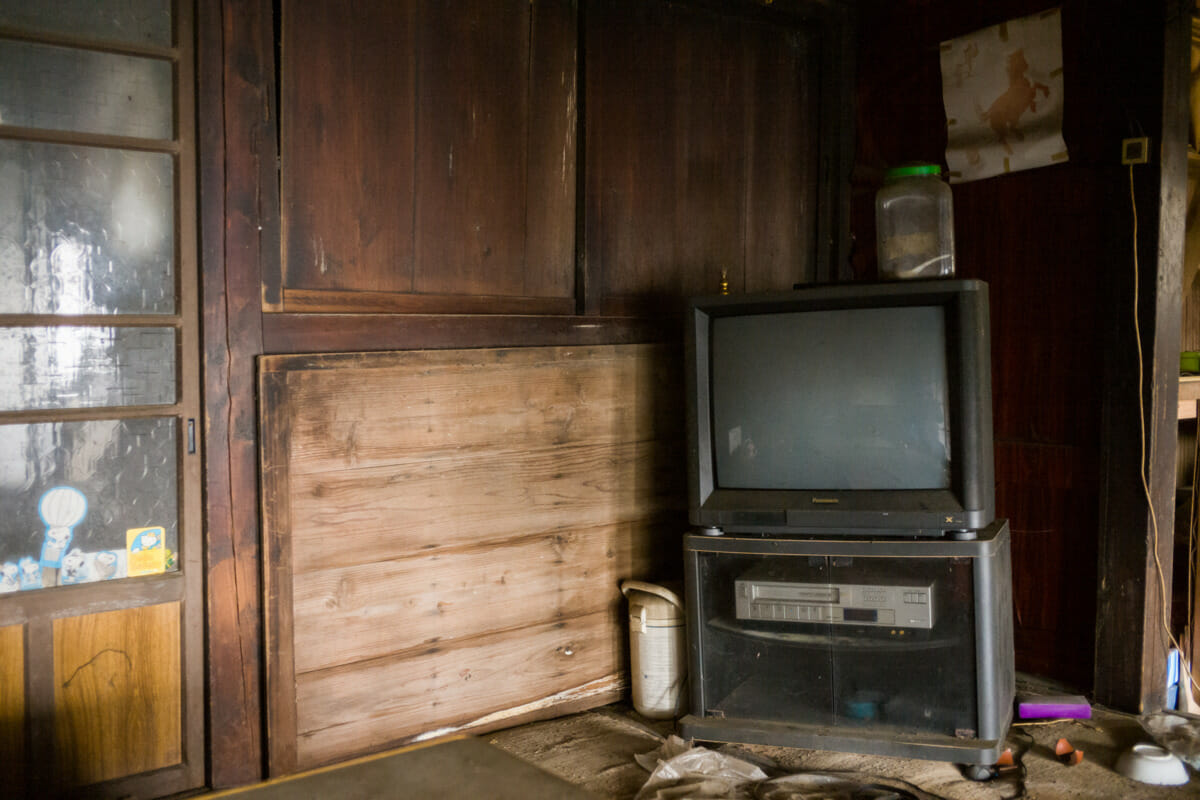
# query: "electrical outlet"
{"points": [[1135, 150]]}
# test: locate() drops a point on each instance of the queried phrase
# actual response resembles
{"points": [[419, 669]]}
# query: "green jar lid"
{"points": [[910, 170]]}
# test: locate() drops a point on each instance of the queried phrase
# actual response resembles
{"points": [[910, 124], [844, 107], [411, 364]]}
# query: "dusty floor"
{"points": [[595, 750]]}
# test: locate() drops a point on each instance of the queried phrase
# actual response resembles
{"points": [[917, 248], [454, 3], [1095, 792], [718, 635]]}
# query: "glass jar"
{"points": [[914, 223]]}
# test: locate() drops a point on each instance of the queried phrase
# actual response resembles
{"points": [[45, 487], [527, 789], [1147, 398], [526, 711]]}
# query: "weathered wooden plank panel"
{"points": [[347, 129], [12, 703], [117, 693], [368, 706], [462, 513], [431, 402], [423, 503], [360, 612]]}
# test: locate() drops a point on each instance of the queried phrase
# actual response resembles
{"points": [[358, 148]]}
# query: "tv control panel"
{"points": [[769, 600]]}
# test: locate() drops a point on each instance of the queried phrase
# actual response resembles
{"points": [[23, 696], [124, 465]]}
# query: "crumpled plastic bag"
{"points": [[1176, 731], [681, 771], [678, 770]]}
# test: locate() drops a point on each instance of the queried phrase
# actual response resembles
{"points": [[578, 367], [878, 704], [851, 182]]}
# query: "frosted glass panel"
{"points": [[146, 22], [67, 89], [86, 230], [87, 501], [68, 367]]}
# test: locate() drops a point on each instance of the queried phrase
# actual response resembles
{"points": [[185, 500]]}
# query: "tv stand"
{"points": [[898, 648]]}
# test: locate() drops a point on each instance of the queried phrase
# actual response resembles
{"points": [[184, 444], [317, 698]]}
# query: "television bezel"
{"points": [[969, 502]]}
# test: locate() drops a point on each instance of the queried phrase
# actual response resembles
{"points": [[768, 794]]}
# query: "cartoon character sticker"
{"points": [[147, 551], [105, 565], [10, 577], [74, 568], [31, 573], [61, 509]]}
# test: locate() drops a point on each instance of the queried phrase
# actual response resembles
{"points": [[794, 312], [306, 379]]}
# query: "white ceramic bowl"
{"points": [[1150, 763]]}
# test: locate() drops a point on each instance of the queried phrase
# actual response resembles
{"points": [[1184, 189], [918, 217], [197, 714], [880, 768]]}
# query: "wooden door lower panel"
{"points": [[118, 690], [446, 533], [12, 703]]}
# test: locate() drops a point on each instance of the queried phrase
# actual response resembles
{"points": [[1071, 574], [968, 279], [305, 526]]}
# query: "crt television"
{"points": [[851, 409]]}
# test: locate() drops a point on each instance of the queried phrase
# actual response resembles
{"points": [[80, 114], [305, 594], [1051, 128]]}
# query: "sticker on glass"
{"points": [[147, 551]]}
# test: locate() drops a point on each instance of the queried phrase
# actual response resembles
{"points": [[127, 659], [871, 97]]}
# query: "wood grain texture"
{"points": [[347, 176], [712, 163], [278, 618], [365, 611], [473, 112], [118, 693], [782, 157], [455, 521], [428, 156], [352, 333], [238, 214], [385, 701], [12, 703]]}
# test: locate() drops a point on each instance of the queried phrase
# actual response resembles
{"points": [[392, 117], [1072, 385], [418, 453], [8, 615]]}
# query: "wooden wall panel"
{"points": [[454, 525], [781, 196], [366, 611], [712, 164], [117, 693], [630, 150], [473, 109], [476, 684], [12, 704], [348, 130], [428, 156]]}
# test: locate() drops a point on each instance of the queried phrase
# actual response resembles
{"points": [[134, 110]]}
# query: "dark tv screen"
{"points": [[841, 408], [857, 399]]}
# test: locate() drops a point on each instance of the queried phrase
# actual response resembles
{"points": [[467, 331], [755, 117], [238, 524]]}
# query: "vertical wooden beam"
{"points": [[1137, 532], [239, 213], [276, 417]]}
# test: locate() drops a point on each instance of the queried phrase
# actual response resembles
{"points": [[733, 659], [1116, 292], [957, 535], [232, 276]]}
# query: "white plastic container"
{"points": [[914, 223], [657, 648]]}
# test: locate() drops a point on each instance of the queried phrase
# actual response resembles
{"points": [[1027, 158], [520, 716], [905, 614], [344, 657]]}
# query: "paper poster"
{"points": [[1003, 91]]}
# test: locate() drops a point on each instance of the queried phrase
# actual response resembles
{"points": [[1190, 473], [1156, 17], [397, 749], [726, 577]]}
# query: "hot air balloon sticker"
{"points": [[61, 508]]}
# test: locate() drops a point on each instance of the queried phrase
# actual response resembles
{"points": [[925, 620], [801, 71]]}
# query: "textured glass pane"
{"points": [[66, 89], [86, 230], [87, 501], [127, 21], [64, 367]]}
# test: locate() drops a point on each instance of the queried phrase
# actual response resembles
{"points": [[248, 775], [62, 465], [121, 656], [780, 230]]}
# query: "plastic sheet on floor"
{"points": [[679, 770]]}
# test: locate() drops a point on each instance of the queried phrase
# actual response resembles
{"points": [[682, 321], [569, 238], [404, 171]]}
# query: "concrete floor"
{"points": [[596, 749]]}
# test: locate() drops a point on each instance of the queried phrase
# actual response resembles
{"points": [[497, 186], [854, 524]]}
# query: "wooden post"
{"points": [[1136, 531]]}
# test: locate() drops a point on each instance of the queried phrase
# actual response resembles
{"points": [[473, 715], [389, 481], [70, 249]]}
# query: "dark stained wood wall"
{"points": [[710, 166], [417, 184], [1055, 245], [684, 190]]}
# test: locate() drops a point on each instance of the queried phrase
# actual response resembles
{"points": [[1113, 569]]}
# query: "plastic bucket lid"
{"points": [[912, 170]]}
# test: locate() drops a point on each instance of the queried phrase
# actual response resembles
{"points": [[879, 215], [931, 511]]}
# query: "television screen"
{"points": [[855, 399], [857, 406]]}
